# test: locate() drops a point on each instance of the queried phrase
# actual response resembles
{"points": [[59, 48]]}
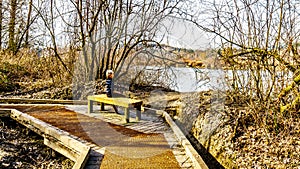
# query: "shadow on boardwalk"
{"points": [[210, 160]]}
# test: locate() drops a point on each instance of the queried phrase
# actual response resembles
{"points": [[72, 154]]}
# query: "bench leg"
{"points": [[138, 113], [102, 106], [126, 114], [90, 106]]}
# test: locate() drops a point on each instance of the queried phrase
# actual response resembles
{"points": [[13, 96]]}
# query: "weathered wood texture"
{"points": [[191, 152], [58, 139], [118, 101], [42, 101], [55, 138]]}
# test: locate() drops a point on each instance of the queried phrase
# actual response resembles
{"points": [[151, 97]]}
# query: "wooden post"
{"points": [[102, 106], [138, 112], [126, 115], [90, 106]]}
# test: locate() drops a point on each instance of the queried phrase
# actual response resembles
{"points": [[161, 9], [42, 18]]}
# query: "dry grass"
{"points": [[28, 72], [245, 135]]}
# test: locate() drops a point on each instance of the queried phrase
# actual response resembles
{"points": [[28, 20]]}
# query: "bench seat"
{"points": [[118, 101]]}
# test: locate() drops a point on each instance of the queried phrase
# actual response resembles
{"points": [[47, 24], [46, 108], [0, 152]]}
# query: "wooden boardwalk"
{"points": [[149, 143], [159, 133]]}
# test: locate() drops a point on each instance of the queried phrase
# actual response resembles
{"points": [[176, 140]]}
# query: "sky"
{"points": [[185, 35], [181, 34]]}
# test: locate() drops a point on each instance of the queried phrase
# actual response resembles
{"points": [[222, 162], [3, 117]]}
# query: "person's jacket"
{"points": [[109, 87]]}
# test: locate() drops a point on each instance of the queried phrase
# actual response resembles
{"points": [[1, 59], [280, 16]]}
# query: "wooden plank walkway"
{"points": [[149, 143], [150, 123]]}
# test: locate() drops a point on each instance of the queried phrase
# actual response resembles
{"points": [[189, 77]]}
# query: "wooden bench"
{"points": [[118, 101]]}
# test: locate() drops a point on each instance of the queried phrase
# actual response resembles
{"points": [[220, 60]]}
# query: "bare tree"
{"points": [[15, 25], [111, 31], [1, 20], [28, 23], [258, 36], [12, 25], [48, 17]]}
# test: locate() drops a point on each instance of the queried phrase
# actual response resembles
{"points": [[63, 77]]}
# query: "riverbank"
{"points": [[230, 132]]}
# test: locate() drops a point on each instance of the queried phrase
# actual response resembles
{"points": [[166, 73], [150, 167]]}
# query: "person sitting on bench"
{"points": [[110, 86]]}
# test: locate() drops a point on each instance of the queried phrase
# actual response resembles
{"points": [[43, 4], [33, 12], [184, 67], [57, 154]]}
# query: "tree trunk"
{"points": [[11, 25], [28, 23], [1, 17]]}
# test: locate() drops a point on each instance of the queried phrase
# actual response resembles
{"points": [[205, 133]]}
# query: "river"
{"points": [[184, 79]]}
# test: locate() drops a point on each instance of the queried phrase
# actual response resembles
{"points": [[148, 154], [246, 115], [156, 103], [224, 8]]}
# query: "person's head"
{"points": [[109, 74]]}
